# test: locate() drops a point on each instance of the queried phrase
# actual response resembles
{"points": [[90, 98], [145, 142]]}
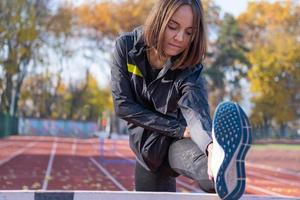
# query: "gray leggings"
{"points": [[184, 158]]}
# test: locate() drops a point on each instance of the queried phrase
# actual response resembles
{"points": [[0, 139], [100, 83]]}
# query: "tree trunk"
{"points": [[266, 126], [283, 132], [7, 94]]}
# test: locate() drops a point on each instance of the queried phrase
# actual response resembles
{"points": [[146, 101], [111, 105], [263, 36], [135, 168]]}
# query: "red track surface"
{"points": [[72, 164]]}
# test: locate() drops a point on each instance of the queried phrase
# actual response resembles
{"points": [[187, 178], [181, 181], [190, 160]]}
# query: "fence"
{"points": [[273, 133], [8, 125], [64, 128]]}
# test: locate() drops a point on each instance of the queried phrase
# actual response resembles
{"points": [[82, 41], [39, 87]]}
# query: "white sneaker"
{"points": [[231, 142]]}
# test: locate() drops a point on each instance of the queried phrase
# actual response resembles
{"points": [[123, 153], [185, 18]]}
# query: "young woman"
{"points": [[158, 89]]}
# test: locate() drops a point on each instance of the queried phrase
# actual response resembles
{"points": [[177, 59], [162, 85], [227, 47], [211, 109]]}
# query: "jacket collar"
{"points": [[137, 53], [138, 42]]}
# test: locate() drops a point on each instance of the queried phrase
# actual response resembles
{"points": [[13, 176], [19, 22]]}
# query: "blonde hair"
{"points": [[156, 24]]}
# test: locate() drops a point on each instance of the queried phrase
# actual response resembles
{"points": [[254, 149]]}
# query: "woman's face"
{"points": [[178, 31]]}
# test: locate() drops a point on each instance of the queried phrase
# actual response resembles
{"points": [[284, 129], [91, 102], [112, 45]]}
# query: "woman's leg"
{"points": [[158, 181], [187, 159]]}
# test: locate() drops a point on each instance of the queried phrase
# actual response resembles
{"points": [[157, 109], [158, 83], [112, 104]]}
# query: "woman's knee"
{"points": [[184, 146], [185, 155], [207, 186]]}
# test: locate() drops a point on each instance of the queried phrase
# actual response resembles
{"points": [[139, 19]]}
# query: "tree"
{"points": [[275, 78], [47, 96], [274, 57], [96, 100], [228, 58], [263, 18], [43, 95], [25, 26], [108, 19], [86, 100]]}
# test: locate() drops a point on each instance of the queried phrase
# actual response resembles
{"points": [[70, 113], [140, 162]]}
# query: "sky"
{"points": [[235, 7]]}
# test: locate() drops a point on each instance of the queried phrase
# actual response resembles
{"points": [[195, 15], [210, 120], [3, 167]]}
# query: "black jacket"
{"points": [[159, 111]]}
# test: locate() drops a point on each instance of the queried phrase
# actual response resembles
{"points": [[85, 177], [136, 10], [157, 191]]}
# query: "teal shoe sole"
{"points": [[233, 134]]}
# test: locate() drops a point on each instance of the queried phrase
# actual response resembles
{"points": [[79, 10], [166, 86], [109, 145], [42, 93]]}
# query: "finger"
{"points": [[210, 176]]}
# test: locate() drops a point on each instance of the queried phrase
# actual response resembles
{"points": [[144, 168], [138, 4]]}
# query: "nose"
{"points": [[179, 36]]}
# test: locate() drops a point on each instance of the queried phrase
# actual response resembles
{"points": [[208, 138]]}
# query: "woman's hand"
{"points": [[209, 155], [186, 133]]}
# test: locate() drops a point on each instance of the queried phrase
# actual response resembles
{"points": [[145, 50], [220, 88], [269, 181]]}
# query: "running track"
{"points": [[52, 163]]}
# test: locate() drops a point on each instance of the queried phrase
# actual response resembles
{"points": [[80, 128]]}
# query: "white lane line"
{"points": [[177, 180], [5, 145], [188, 186], [124, 157], [272, 178], [19, 152], [49, 167], [267, 191], [273, 169], [198, 190], [111, 177], [74, 146], [117, 183]]}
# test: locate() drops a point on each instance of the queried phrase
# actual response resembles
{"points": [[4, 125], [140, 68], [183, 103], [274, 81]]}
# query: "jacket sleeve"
{"points": [[124, 101], [195, 109]]}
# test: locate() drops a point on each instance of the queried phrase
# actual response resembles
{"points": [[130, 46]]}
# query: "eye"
{"points": [[189, 33], [172, 27]]}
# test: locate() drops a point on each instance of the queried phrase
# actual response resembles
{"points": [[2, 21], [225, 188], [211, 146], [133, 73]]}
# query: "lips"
{"points": [[174, 46]]}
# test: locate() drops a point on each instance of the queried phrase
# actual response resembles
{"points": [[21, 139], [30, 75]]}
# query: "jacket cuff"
{"points": [[206, 152], [181, 131], [202, 140]]}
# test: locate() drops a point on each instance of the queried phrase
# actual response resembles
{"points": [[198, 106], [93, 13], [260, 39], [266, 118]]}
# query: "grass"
{"points": [[295, 147]]}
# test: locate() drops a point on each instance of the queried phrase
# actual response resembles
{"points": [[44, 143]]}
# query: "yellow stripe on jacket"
{"points": [[134, 69]]}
